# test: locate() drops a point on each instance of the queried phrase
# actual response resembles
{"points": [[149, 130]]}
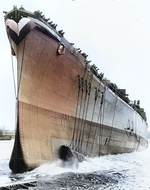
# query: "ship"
{"points": [[64, 107]]}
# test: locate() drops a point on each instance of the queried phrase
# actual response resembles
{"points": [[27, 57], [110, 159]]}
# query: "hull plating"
{"points": [[61, 103]]}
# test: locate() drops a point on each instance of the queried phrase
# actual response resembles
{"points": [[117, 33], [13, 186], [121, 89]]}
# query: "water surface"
{"points": [[112, 172]]}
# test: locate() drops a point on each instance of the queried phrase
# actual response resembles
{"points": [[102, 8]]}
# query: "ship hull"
{"points": [[59, 102]]}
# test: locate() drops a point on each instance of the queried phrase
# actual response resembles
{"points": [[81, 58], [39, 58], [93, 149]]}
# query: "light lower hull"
{"points": [[40, 143]]}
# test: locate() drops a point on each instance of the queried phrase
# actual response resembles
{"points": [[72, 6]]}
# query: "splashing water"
{"points": [[122, 171]]}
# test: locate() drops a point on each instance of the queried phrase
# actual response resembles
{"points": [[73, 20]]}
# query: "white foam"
{"points": [[134, 166]]}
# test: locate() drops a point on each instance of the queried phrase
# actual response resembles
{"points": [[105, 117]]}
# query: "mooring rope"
{"points": [[73, 137], [13, 72], [88, 93], [79, 111], [91, 120], [82, 116], [19, 80], [16, 89], [77, 116]]}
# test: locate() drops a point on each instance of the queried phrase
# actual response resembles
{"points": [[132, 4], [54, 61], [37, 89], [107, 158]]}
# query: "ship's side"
{"points": [[106, 124], [60, 102]]}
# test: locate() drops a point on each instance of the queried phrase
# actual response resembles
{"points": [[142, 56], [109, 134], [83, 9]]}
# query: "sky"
{"points": [[114, 33]]}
